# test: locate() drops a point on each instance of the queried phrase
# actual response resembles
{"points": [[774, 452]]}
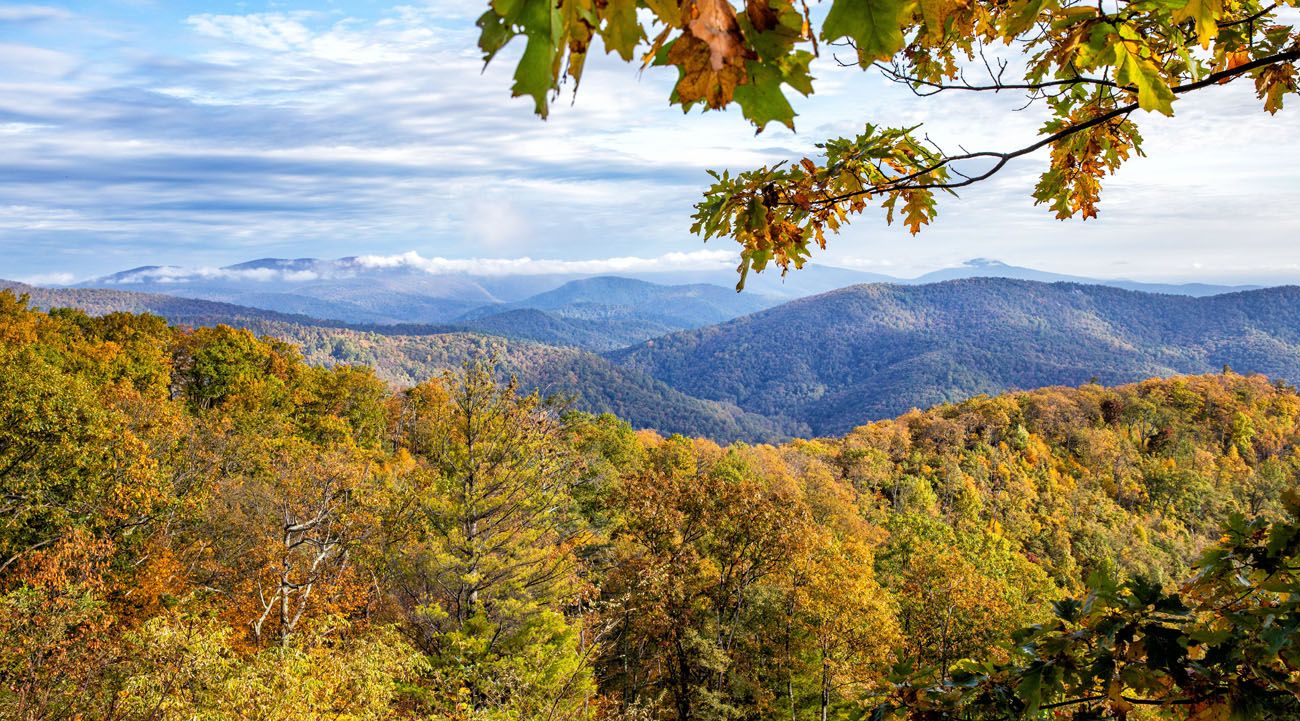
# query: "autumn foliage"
{"points": [[197, 524]]}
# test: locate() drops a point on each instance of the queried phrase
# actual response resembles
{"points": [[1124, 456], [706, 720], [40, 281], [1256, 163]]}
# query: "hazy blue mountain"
{"points": [[596, 312], [988, 268], [812, 279], [359, 290], [698, 303], [177, 310], [344, 289], [836, 360], [605, 312]]}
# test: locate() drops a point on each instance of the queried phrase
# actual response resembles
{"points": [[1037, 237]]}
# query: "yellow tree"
{"points": [[835, 597]]}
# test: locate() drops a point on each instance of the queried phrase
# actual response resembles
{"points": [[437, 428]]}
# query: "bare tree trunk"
{"points": [[826, 686], [682, 692], [789, 663]]}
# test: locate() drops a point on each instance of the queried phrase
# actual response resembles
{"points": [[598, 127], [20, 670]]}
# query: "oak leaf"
{"points": [[714, 23], [701, 80]]}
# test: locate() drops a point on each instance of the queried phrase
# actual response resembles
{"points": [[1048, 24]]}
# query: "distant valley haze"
{"points": [[507, 280]]}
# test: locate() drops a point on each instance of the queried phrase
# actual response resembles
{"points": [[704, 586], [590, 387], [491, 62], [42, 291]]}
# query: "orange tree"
{"points": [[1092, 63]]}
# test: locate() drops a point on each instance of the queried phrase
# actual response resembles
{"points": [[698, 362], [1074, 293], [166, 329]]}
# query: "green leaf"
{"points": [[494, 33], [510, 11], [761, 99], [534, 74], [1030, 688], [875, 25], [1142, 74], [795, 73], [622, 31]]}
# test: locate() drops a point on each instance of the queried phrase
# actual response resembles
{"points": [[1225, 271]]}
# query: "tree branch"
{"points": [[903, 182]]}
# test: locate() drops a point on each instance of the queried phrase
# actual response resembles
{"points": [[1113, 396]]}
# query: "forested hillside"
{"points": [[590, 382], [407, 354], [816, 366], [831, 361], [199, 524]]}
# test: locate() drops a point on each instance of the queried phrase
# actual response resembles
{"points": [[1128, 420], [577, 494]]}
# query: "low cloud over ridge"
{"points": [[694, 260], [309, 270]]}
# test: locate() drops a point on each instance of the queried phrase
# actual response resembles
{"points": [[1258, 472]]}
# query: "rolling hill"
{"points": [[834, 361]]}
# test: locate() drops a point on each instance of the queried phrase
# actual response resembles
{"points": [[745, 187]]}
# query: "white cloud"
{"points": [[693, 260], [342, 42], [47, 279], [35, 61], [277, 32], [176, 274], [31, 13]]}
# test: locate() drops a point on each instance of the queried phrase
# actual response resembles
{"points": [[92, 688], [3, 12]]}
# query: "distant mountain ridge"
{"points": [[597, 313], [989, 268], [379, 290], [611, 312]]}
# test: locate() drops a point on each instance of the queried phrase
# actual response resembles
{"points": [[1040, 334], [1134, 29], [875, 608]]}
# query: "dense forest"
{"points": [[198, 524]]}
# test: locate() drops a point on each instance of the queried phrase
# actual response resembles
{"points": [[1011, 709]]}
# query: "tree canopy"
{"points": [[196, 524], [1094, 65]]}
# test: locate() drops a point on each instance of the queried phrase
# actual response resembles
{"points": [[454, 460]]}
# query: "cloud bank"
{"points": [[310, 270], [154, 135], [677, 261]]}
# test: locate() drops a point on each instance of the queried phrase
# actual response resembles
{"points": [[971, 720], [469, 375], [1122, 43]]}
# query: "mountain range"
{"points": [[701, 359], [631, 307], [832, 361]]}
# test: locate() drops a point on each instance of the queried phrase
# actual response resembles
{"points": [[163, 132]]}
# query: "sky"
{"points": [[201, 134]]}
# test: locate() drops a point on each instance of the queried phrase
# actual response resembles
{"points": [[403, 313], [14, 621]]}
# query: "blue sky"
{"points": [[138, 132]]}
